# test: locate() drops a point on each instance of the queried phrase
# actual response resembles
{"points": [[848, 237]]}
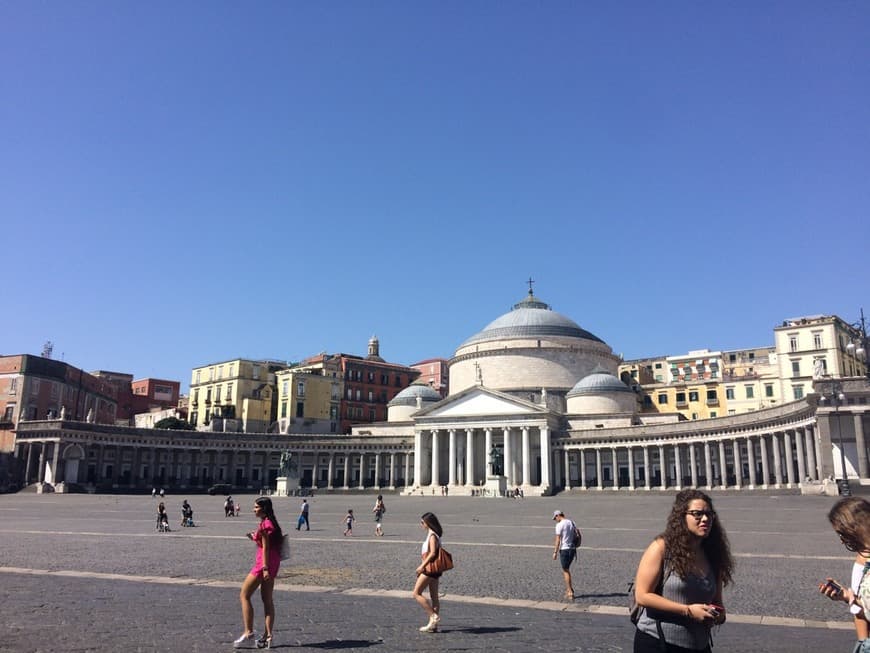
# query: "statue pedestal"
{"points": [[496, 485], [284, 486]]}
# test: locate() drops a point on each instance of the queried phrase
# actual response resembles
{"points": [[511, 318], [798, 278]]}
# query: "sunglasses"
{"points": [[699, 514]]}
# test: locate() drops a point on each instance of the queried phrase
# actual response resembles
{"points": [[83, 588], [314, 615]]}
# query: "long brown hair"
{"points": [[266, 504], [850, 517], [679, 541], [432, 523]]}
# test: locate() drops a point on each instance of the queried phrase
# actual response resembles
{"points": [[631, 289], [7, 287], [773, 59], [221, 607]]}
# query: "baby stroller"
{"points": [[187, 515], [163, 523]]}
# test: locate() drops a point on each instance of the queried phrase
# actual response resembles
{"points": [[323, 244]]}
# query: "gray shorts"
{"points": [[566, 557]]}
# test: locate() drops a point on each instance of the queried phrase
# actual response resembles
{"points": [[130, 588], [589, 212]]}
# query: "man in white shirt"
{"points": [[564, 548]]}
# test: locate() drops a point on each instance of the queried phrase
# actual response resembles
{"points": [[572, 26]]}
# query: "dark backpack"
{"points": [[578, 536]]}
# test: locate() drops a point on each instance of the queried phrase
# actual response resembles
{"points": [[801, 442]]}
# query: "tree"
{"points": [[174, 424]]}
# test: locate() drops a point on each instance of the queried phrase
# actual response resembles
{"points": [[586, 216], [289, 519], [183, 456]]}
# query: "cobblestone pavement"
{"points": [[89, 573]]}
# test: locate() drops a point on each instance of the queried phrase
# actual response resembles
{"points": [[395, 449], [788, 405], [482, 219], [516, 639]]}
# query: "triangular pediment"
{"points": [[477, 402]]}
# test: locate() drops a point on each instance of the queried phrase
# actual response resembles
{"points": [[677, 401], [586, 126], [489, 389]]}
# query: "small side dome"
{"points": [[408, 396], [600, 381]]}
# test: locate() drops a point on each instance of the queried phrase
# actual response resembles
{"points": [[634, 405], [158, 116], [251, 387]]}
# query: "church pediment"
{"points": [[478, 401]]}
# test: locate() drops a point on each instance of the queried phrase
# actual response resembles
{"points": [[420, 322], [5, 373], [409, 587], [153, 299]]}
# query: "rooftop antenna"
{"points": [[47, 349]]}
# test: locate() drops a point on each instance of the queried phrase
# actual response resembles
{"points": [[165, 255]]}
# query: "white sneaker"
{"points": [[245, 641]]}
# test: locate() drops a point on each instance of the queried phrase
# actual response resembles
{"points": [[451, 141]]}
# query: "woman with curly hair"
{"points": [[680, 578], [850, 518]]}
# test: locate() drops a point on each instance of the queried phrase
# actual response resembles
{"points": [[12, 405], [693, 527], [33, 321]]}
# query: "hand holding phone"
{"points": [[831, 588], [716, 610]]}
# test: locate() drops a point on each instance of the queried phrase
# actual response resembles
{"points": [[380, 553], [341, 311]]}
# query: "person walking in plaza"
{"points": [[680, 577], [850, 519], [379, 511], [429, 552], [162, 518], [268, 538], [303, 516], [565, 547], [348, 523]]}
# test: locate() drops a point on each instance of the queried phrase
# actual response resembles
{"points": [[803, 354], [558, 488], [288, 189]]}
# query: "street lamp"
{"points": [[859, 349], [837, 397]]}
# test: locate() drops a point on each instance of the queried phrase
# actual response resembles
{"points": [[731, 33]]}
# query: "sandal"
{"points": [[265, 642]]}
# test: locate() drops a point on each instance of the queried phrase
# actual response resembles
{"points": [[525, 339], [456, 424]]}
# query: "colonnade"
{"points": [[462, 457], [776, 459]]}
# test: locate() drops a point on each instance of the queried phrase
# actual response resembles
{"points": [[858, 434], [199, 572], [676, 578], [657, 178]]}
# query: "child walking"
{"points": [[348, 522]]}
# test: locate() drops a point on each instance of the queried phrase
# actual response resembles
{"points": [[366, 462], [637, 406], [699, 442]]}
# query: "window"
{"points": [[55, 390], [350, 393], [768, 390], [729, 393], [658, 366], [694, 415], [372, 415], [7, 415], [371, 396], [358, 395], [817, 340], [208, 395], [230, 371], [647, 400], [217, 394], [335, 393], [713, 413], [384, 379], [663, 398], [333, 412], [256, 373], [34, 388], [220, 371], [796, 368], [371, 377], [792, 343], [196, 397], [659, 378], [13, 385], [681, 398], [285, 388], [284, 408], [300, 409], [798, 391], [693, 395], [210, 373], [229, 391], [731, 411], [711, 395], [300, 388], [197, 375], [750, 392]]}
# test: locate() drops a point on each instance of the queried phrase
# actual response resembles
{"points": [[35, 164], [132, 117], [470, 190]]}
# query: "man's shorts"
{"points": [[566, 557]]}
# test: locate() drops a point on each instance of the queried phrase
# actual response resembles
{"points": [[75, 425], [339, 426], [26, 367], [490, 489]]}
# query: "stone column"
{"points": [[392, 470], [546, 457], [378, 463], [678, 467], [723, 465], [116, 470], [407, 479], [809, 442], [40, 473], [29, 464], [487, 449], [738, 462], [802, 467], [567, 470], [527, 457], [508, 458], [362, 470], [663, 468], [469, 457], [708, 465], [614, 468], [418, 457], [860, 444], [55, 455], [750, 459], [777, 466], [693, 462], [330, 471], [347, 464], [451, 457], [583, 468], [436, 472], [789, 459], [598, 472], [630, 468], [647, 481]]}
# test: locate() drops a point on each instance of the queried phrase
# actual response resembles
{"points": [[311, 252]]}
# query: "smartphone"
{"points": [[716, 610], [834, 585]]}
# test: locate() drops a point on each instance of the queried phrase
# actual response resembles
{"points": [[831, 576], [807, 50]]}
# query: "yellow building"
{"points": [[750, 380], [237, 395], [308, 401]]}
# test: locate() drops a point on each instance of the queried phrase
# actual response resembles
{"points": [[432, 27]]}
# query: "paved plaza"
{"points": [[89, 573]]}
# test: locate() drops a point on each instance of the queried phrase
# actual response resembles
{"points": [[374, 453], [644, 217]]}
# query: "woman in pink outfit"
{"points": [[267, 537]]}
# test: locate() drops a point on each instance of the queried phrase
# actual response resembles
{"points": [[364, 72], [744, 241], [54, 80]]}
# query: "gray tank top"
{"points": [[677, 629]]}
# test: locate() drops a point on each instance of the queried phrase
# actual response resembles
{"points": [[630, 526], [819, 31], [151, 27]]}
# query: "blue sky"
{"points": [[182, 183]]}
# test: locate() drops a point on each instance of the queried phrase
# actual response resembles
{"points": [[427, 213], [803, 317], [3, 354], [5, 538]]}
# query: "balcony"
{"points": [[713, 402], [682, 404]]}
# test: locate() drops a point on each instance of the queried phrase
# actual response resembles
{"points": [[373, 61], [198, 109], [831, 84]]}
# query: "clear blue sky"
{"points": [[182, 183]]}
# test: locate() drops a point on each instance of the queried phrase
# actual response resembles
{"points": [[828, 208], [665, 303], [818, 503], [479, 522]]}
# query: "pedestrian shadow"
{"points": [[482, 630], [335, 644]]}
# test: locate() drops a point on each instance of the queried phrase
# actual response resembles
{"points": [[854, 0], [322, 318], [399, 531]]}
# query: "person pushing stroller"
{"points": [[186, 514]]}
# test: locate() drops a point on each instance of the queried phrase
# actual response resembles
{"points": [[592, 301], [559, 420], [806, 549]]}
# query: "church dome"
{"points": [[408, 396], [530, 318], [600, 381]]}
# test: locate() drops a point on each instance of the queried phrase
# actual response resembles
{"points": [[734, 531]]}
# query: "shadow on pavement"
{"points": [[482, 630], [342, 643]]}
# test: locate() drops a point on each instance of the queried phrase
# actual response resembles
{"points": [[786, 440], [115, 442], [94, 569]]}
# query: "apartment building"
{"points": [[235, 395], [434, 372], [750, 380], [309, 400]]}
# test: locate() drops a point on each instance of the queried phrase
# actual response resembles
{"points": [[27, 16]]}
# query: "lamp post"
{"points": [[836, 396], [859, 349]]}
